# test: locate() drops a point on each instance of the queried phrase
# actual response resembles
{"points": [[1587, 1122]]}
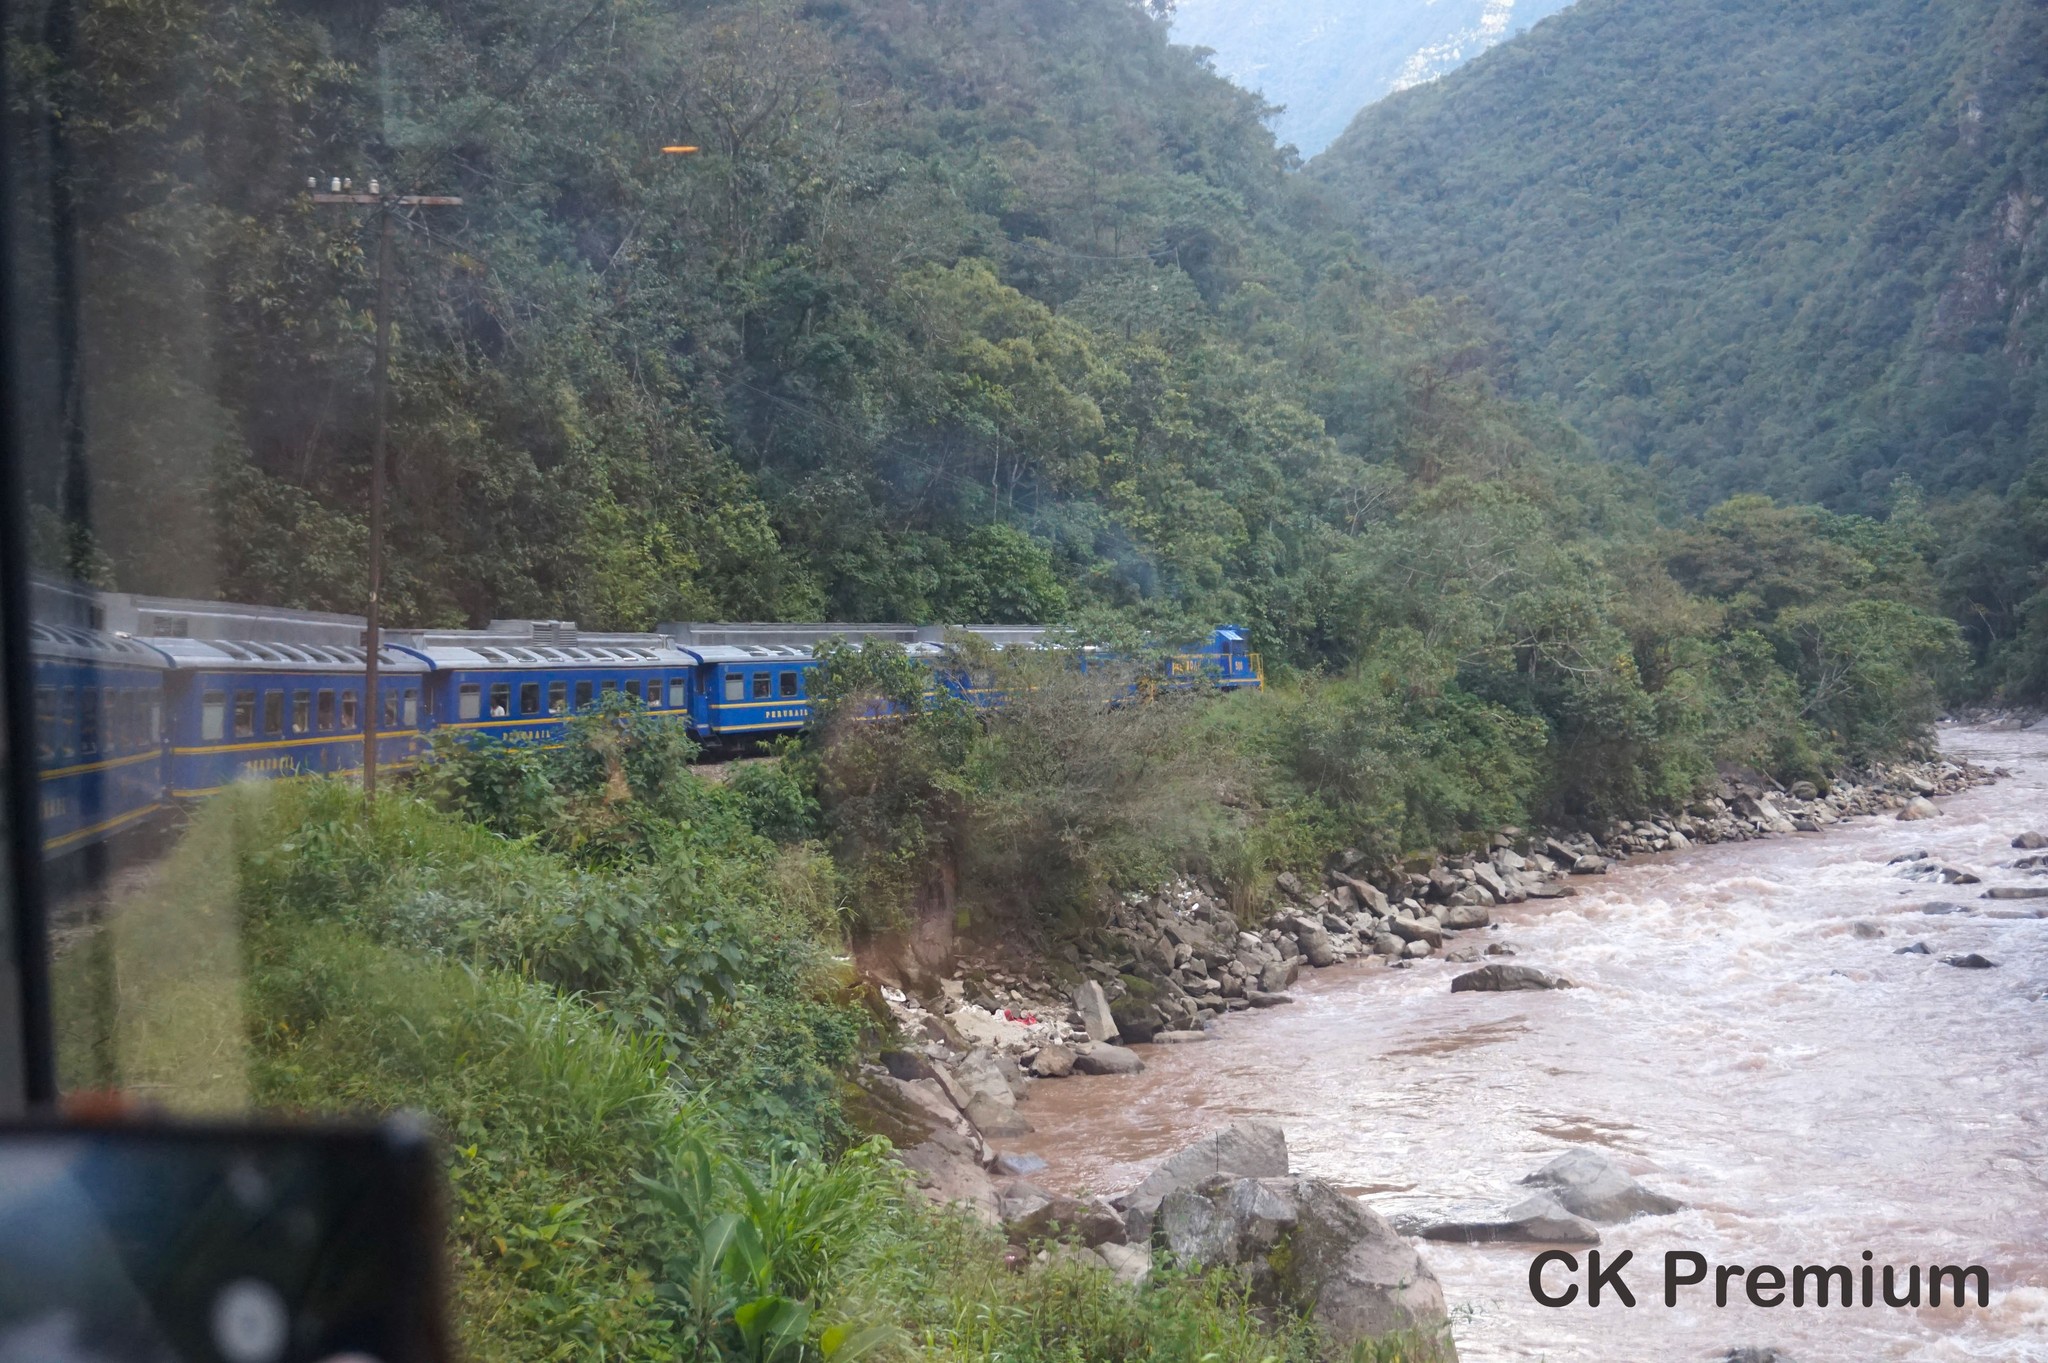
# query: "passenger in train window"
{"points": [[582, 695], [788, 683], [761, 691], [324, 711], [501, 700], [348, 710], [558, 698], [390, 709], [245, 714]]}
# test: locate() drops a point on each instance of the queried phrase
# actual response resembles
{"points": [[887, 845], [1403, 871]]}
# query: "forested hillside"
{"points": [[1798, 248]]}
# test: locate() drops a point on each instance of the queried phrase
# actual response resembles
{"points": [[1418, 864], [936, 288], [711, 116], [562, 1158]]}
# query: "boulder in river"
{"points": [[1254, 1149], [1093, 1006], [1970, 961], [1919, 807], [1178, 1037], [2017, 892], [1502, 978], [2031, 842], [1017, 1166], [1306, 1243], [1103, 1058], [1541, 1219], [1587, 1183], [1863, 927], [1917, 949], [1053, 1062], [1460, 917], [1260, 998]]}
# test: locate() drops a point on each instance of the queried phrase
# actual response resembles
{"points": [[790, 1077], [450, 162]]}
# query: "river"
{"points": [[1808, 1092]]}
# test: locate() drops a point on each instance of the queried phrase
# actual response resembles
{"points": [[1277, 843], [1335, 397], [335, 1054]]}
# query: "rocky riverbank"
{"points": [[1161, 966]]}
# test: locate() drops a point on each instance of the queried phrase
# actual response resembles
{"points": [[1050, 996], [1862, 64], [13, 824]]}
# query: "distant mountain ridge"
{"points": [[1324, 60], [1791, 245]]}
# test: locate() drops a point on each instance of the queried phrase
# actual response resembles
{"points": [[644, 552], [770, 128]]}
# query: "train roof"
{"points": [[75, 643], [701, 635], [251, 655], [482, 656]]}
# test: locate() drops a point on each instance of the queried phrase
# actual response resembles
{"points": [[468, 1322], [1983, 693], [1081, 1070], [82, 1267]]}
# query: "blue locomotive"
{"points": [[142, 702]]}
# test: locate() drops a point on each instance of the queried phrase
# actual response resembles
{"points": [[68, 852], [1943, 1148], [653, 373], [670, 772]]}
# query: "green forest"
{"points": [[1792, 249]]}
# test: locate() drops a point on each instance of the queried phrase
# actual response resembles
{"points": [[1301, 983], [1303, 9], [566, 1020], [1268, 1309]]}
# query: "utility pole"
{"points": [[341, 192]]}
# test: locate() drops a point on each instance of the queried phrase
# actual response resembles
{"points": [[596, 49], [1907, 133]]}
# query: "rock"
{"points": [[1937, 907], [1033, 1214], [1460, 917], [995, 1118], [1179, 1037], [1919, 807], [1427, 929], [906, 1065], [1386, 944], [1970, 961], [1316, 946], [1755, 1356], [1131, 1264], [1866, 929], [1499, 949], [1586, 1183], [1093, 1006], [1540, 1219], [1260, 998], [2031, 842], [1917, 949], [1016, 1166], [1253, 1149], [1357, 1277], [1417, 949], [1226, 1220], [1290, 885], [1103, 1058], [1501, 978], [2017, 892], [1053, 1062], [1907, 856], [948, 1173], [1590, 865]]}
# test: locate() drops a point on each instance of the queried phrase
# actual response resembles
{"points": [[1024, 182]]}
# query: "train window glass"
{"points": [[273, 712], [391, 709], [558, 697], [735, 686], [88, 722], [529, 698], [46, 724], [117, 721], [501, 699], [67, 723], [348, 709], [761, 691], [678, 690], [213, 716], [582, 694], [633, 688], [302, 712], [325, 712], [786, 683], [156, 721], [245, 714], [469, 701], [131, 720], [410, 716], [607, 687]]}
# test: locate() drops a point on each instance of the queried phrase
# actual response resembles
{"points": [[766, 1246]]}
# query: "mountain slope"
{"points": [[1324, 60], [1798, 247]]}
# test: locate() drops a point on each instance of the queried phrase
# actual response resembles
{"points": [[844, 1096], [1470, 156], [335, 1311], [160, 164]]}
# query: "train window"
{"points": [[786, 683], [302, 712], [582, 694], [410, 716], [501, 699], [558, 697], [348, 709], [391, 708], [469, 701], [245, 714], [67, 724], [88, 722], [156, 721], [273, 712], [131, 720], [678, 690], [213, 716], [761, 691], [633, 688], [607, 687], [735, 686], [116, 708], [325, 711], [529, 698], [46, 724]]}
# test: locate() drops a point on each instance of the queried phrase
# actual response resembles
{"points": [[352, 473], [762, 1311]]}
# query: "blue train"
{"points": [[144, 702]]}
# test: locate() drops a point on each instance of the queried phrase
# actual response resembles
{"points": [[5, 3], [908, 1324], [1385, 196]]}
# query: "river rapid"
{"points": [[1808, 1092]]}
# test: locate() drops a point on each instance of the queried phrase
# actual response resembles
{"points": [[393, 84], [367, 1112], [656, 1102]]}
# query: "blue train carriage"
{"points": [[1225, 658], [506, 685], [244, 709], [99, 711], [742, 692]]}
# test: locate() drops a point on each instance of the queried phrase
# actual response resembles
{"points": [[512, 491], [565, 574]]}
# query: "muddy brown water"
{"points": [[1807, 1092]]}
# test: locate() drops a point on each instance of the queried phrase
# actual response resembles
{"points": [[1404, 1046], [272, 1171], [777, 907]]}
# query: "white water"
{"points": [[1808, 1093]]}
